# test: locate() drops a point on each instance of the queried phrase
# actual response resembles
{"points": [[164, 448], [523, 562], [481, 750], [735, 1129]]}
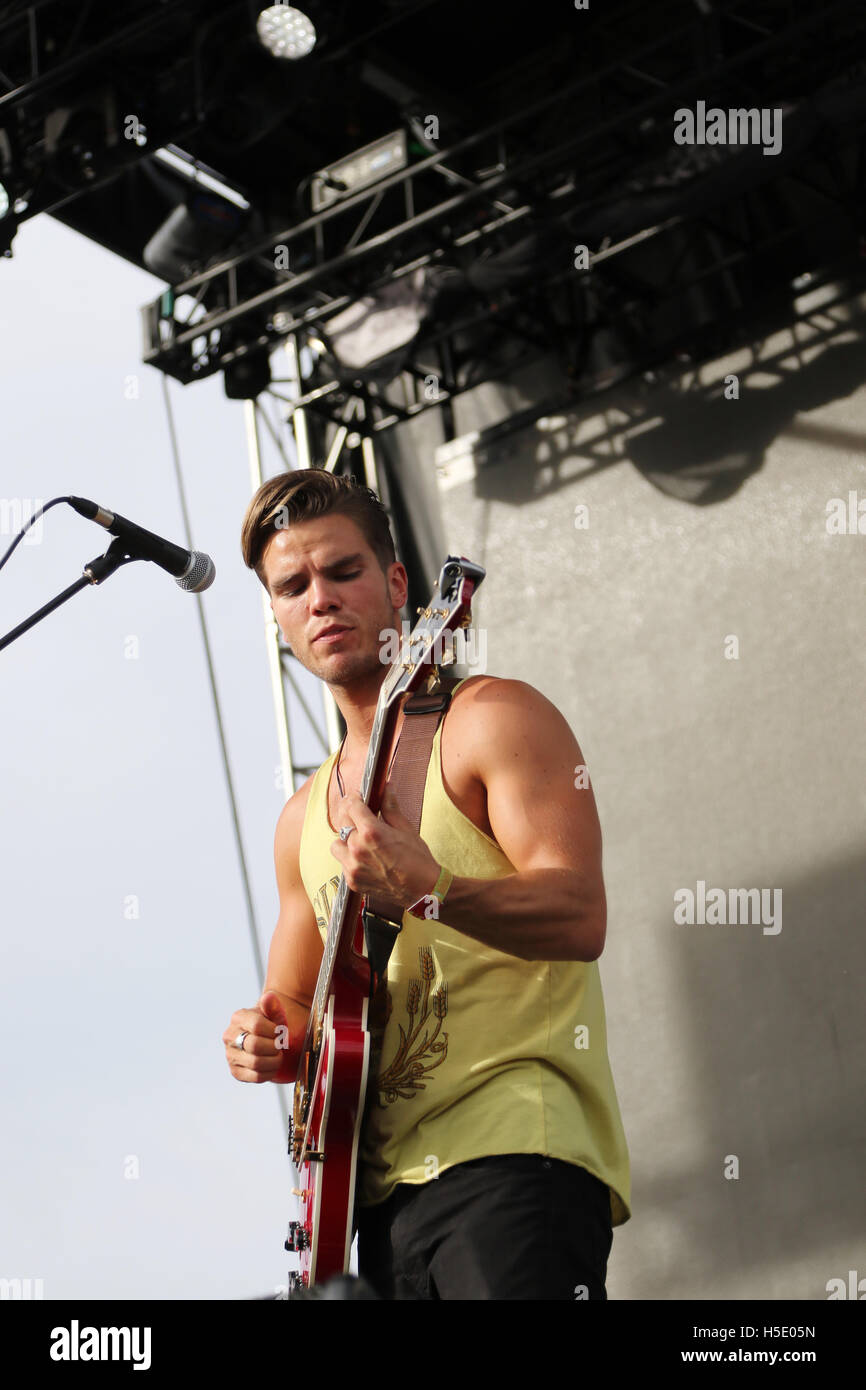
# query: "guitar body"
{"points": [[323, 1236]]}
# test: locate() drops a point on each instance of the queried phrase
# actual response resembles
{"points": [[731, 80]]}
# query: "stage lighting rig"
{"points": [[196, 172], [359, 170], [286, 32]]}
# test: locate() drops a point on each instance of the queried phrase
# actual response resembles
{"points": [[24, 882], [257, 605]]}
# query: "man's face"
{"points": [[322, 574]]}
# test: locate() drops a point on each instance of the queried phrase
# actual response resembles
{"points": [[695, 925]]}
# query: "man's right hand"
{"points": [[271, 1048]]}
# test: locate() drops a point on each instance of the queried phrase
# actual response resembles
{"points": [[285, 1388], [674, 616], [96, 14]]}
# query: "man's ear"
{"points": [[398, 585]]}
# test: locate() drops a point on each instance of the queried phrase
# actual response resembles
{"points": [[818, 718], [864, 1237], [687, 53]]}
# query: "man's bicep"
{"points": [[296, 946], [540, 804]]}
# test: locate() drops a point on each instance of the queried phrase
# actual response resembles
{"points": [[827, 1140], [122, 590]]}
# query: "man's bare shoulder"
{"points": [[482, 699], [290, 823], [495, 715]]}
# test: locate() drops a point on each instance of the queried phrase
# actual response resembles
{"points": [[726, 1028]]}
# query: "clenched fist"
{"points": [[274, 1036]]}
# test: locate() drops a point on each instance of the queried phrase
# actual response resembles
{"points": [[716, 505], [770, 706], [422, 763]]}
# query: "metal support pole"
{"points": [[272, 631], [375, 480], [333, 724], [299, 418]]}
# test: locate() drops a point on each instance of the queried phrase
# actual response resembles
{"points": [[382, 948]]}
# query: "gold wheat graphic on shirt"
{"points": [[405, 1075]]}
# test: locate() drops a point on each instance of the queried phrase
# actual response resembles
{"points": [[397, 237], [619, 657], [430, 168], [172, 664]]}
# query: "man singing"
{"points": [[493, 1162]]}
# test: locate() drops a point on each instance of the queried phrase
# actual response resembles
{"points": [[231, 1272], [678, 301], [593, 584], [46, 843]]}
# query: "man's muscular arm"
{"points": [[554, 906], [519, 747], [293, 968]]}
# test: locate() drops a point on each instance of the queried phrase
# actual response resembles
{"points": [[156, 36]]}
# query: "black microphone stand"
{"points": [[94, 573]]}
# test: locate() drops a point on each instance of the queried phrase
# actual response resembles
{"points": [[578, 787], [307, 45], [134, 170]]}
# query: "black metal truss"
{"points": [[541, 319], [79, 53], [583, 159], [476, 198], [149, 57]]}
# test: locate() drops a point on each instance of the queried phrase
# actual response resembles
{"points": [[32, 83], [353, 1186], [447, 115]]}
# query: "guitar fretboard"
{"points": [[335, 922]]}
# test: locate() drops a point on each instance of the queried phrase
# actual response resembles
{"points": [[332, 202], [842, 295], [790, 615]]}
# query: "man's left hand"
{"points": [[384, 854]]}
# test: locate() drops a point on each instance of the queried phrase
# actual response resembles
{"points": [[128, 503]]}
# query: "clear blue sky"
{"points": [[113, 791]]}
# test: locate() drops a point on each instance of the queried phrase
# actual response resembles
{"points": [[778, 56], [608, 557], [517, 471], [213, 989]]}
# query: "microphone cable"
{"points": [[28, 524]]}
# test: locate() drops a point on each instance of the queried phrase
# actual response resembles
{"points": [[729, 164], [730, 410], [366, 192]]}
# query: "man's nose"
{"points": [[323, 595]]}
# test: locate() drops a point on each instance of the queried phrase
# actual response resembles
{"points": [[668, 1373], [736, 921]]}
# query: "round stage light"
{"points": [[4, 201], [286, 32]]}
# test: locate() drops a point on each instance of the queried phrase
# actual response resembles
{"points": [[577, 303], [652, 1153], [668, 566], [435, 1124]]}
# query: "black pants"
{"points": [[514, 1226]]}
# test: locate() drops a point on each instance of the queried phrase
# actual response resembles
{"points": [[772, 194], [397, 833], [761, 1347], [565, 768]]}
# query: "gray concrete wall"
{"points": [[743, 773]]}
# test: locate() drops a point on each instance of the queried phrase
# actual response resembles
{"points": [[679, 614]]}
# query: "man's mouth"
{"points": [[331, 634]]}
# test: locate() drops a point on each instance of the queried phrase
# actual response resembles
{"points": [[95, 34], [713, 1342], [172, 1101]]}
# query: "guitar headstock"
{"points": [[449, 608]]}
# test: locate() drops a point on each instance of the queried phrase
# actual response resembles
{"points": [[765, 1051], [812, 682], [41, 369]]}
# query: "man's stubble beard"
{"points": [[359, 665]]}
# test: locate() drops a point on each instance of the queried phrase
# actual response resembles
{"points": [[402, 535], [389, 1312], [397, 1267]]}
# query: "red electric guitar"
{"points": [[331, 1086]]}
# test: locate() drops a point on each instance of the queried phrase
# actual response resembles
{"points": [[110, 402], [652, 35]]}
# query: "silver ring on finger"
{"points": [[345, 832], [239, 1040]]}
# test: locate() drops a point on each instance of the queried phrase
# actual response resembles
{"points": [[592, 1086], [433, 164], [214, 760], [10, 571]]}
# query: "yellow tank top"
{"points": [[482, 1053]]}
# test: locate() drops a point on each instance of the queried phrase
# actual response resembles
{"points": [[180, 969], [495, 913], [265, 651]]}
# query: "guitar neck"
{"points": [[372, 784]]}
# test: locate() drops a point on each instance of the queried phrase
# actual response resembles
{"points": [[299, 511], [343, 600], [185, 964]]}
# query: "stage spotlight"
{"points": [[201, 226], [248, 376], [4, 201], [286, 32]]}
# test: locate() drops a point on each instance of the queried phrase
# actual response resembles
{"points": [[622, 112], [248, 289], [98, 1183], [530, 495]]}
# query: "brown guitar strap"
{"points": [[422, 713]]}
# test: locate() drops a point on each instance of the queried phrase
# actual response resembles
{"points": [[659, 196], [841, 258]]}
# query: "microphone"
{"points": [[192, 569]]}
